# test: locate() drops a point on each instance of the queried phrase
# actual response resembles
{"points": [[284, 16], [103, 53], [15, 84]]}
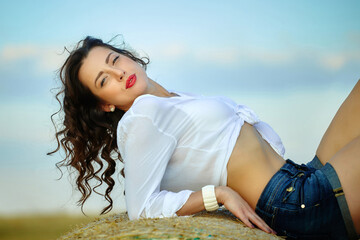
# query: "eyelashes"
{"points": [[115, 59], [104, 79]]}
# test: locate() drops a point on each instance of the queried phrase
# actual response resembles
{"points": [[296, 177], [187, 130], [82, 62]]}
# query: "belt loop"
{"points": [[338, 192]]}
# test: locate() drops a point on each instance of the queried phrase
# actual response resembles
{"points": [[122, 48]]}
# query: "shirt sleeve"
{"points": [[146, 151]]}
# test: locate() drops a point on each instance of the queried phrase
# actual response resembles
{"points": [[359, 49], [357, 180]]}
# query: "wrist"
{"points": [[220, 192]]}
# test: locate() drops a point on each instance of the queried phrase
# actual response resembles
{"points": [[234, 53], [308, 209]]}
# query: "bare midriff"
{"points": [[252, 164]]}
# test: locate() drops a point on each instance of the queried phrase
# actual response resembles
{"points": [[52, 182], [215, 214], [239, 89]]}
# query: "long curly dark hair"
{"points": [[86, 133]]}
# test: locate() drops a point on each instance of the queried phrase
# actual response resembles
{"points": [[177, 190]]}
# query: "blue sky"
{"points": [[292, 62]]}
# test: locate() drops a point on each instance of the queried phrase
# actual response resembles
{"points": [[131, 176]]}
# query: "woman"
{"points": [[176, 147]]}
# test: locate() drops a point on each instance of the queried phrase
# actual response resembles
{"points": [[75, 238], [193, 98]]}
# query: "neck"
{"points": [[158, 90]]}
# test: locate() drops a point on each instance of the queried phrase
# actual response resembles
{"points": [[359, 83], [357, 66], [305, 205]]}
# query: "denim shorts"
{"points": [[302, 202]]}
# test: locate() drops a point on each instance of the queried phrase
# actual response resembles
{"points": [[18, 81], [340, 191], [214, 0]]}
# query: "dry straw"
{"points": [[215, 225]]}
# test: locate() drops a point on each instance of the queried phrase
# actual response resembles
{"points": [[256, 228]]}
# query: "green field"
{"points": [[39, 227]]}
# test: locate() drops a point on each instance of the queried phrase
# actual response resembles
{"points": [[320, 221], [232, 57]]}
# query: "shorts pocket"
{"points": [[300, 224], [268, 217]]}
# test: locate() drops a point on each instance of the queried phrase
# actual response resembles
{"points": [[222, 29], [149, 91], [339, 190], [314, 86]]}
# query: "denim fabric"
{"points": [[315, 163], [331, 175], [299, 203]]}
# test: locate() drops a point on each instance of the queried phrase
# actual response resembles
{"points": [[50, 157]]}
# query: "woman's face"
{"points": [[114, 78]]}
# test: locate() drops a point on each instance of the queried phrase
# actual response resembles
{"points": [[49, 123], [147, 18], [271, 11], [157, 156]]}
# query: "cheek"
{"points": [[142, 84], [109, 95]]}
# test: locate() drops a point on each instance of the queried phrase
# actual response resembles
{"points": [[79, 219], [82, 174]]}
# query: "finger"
{"points": [[262, 226], [254, 217], [243, 217], [258, 219], [247, 222], [247, 215], [261, 223]]}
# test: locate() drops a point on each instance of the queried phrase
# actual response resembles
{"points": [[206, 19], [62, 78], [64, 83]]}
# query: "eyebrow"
{"points": [[101, 72]]}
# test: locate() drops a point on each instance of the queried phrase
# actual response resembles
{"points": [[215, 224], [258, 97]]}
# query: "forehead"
{"points": [[96, 54], [92, 64]]}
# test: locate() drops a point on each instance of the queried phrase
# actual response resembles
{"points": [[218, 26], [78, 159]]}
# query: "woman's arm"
{"points": [[232, 201]]}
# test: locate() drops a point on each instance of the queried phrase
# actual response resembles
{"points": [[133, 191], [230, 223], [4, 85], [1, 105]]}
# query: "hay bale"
{"points": [[220, 224]]}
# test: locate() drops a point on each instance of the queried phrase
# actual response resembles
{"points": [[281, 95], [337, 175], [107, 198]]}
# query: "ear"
{"points": [[107, 107]]}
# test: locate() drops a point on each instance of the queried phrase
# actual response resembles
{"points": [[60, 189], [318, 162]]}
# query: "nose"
{"points": [[118, 74]]}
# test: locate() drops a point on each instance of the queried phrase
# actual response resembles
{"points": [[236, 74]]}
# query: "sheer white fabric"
{"points": [[174, 146]]}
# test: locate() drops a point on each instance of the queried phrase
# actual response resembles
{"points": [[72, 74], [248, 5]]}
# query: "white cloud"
{"points": [[45, 58], [333, 62], [252, 55], [336, 61], [17, 52], [225, 55], [270, 57], [222, 56], [174, 50]]}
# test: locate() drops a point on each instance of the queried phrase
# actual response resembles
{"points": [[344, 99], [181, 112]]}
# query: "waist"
{"points": [[252, 164]]}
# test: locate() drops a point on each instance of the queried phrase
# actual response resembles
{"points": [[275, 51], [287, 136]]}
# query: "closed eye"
{"points": [[115, 59], [102, 82]]}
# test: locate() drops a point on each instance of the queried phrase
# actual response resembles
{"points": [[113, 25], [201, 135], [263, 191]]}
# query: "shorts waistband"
{"points": [[293, 167], [315, 163]]}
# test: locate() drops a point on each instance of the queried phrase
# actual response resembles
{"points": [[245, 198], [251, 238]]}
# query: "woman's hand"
{"points": [[240, 208], [232, 201]]}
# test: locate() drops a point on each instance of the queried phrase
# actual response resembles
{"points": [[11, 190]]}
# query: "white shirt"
{"points": [[174, 146]]}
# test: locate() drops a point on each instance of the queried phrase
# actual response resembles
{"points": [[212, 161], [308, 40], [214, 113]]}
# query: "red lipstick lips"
{"points": [[130, 81]]}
